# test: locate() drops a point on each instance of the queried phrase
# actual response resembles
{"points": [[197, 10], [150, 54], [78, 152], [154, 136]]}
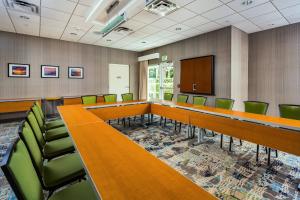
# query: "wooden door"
{"points": [[187, 77], [203, 75]]}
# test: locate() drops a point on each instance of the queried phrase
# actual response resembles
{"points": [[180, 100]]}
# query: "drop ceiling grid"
{"points": [[59, 19]]}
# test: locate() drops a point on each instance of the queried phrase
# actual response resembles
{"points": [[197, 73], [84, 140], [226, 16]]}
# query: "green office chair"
{"points": [[181, 98], [23, 179], [168, 96], [89, 99], [199, 100], [257, 107], [53, 148], [110, 98], [54, 173], [289, 111], [227, 104], [126, 98]]}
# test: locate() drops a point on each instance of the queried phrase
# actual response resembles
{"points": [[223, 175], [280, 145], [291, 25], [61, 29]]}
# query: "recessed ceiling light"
{"points": [[144, 42], [108, 40], [178, 29], [247, 2], [73, 34], [97, 32], [76, 28], [24, 17]]}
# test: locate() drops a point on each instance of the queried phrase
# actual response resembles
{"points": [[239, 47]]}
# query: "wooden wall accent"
{"points": [[216, 43], [16, 48], [274, 66], [239, 68]]}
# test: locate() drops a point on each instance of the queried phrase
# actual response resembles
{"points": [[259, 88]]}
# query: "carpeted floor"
{"points": [[227, 175]]}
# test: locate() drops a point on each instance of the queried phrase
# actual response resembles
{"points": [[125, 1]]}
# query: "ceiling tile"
{"points": [[181, 15], [218, 13], [149, 29], [247, 26], [238, 6], [192, 32], [133, 24], [5, 22], [226, 1], [50, 32], [211, 26], [182, 2], [231, 19], [78, 22], [200, 6], [163, 23], [280, 4], [56, 15], [86, 2], [26, 28], [195, 21], [146, 17], [81, 10], [258, 10], [53, 23], [292, 13], [23, 17], [178, 28], [267, 19], [61, 5]]}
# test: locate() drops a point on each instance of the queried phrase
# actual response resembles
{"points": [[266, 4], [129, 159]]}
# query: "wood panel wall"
{"points": [[216, 43], [274, 66], [16, 48]]}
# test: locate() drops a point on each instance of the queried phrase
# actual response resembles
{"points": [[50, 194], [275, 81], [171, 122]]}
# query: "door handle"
{"points": [[194, 87]]}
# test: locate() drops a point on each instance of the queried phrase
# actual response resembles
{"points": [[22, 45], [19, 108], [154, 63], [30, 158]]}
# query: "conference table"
{"points": [[121, 169]]}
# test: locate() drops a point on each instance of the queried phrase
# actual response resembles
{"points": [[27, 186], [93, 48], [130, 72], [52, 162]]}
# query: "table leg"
{"points": [[200, 137]]}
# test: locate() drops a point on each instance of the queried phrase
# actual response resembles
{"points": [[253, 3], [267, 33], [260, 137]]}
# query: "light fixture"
{"points": [[247, 2], [108, 40], [177, 29], [97, 32], [144, 42], [24, 17], [73, 33]]}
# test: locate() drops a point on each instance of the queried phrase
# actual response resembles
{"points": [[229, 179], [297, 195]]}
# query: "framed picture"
{"points": [[75, 72], [18, 70], [49, 71]]}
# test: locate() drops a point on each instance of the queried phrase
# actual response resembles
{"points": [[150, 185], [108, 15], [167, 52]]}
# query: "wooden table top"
{"points": [[121, 169]]}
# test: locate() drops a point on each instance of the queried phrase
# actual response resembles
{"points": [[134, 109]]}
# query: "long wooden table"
{"points": [[120, 169]]}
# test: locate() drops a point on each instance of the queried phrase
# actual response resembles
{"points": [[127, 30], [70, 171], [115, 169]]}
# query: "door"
{"points": [[187, 76], [118, 80], [160, 80]]}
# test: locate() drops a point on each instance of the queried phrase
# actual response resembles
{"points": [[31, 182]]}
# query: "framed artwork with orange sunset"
{"points": [[75, 72], [17, 70]]}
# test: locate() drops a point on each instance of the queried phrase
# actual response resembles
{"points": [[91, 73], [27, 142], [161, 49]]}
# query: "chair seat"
{"points": [[56, 133], [58, 147], [62, 170], [78, 191], [54, 124]]}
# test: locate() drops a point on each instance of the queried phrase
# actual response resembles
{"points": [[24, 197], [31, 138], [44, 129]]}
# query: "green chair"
{"points": [[289, 111], [49, 124], [53, 148], [110, 98], [168, 96], [57, 172], [227, 104], [23, 179], [50, 134], [89, 99], [199, 100], [182, 98], [257, 107], [127, 97]]}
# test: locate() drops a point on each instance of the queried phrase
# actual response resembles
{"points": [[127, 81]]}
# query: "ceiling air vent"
{"points": [[160, 7], [22, 6]]}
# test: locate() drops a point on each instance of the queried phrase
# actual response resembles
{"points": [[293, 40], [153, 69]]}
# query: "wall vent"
{"points": [[22, 6]]}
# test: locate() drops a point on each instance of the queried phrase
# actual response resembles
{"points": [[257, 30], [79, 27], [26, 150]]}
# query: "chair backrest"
{"points": [[182, 98], [224, 103], [40, 109], [289, 111], [20, 173], [38, 117], [127, 97], [256, 107], [168, 96], [199, 100], [89, 99], [29, 139], [36, 130], [110, 98]]}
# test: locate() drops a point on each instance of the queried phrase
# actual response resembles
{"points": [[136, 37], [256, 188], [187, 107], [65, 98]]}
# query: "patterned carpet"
{"points": [[227, 175]]}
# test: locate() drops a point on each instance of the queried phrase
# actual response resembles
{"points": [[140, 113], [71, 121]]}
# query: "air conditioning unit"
{"points": [[24, 6], [160, 7], [113, 24]]}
